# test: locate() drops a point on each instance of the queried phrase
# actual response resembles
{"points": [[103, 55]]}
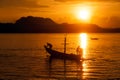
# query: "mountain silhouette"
{"points": [[32, 24]]}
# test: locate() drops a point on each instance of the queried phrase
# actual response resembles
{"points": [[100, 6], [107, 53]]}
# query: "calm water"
{"points": [[23, 57]]}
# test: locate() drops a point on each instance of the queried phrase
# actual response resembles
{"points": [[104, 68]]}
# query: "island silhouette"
{"points": [[32, 24]]}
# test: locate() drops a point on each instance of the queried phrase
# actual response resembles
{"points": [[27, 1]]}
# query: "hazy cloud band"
{"points": [[22, 3], [88, 0]]}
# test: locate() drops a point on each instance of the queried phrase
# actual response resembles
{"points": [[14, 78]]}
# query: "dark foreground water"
{"points": [[23, 57]]}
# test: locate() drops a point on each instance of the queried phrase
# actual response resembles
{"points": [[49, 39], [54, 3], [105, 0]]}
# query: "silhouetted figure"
{"points": [[49, 45], [79, 50]]}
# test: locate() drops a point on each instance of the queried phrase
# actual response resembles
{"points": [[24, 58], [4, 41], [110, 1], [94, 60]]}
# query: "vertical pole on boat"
{"points": [[65, 45], [64, 57]]}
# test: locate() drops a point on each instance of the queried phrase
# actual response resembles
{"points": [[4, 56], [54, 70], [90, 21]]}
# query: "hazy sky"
{"points": [[105, 13]]}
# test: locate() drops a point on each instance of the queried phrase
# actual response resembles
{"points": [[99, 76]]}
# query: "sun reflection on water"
{"points": [[83, 43]]}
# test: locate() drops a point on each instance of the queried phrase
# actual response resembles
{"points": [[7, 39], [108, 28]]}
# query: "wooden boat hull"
{"points": [[60, 55]]}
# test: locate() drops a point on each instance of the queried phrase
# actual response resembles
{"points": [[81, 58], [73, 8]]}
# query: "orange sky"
{"points": [[105, 13]]}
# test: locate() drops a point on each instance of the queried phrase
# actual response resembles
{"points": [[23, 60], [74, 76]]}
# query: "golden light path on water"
{"points": [[83, 43]]}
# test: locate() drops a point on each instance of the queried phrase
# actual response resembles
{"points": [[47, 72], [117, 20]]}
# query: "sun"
{"points": [[83, 14]]}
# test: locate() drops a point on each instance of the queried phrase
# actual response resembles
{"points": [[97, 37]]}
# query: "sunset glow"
{"points": [[105, 13], [60, 39]]}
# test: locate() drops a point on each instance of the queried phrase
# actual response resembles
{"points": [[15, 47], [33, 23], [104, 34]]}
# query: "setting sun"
{"points": [[83, 14]]}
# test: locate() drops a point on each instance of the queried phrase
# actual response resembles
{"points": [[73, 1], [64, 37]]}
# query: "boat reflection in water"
{"points": [[68, 71]]}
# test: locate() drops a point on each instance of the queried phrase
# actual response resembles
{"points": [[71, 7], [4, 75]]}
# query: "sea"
{"points": [[23, 56]]}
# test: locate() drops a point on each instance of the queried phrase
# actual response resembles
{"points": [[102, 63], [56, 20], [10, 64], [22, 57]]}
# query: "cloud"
{"points": [[88, 0], [113, 21], [109, 22], [21, 3]]}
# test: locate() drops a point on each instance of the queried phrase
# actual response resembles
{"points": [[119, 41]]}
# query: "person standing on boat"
{"points": [[79, 50], [49, 45]]}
